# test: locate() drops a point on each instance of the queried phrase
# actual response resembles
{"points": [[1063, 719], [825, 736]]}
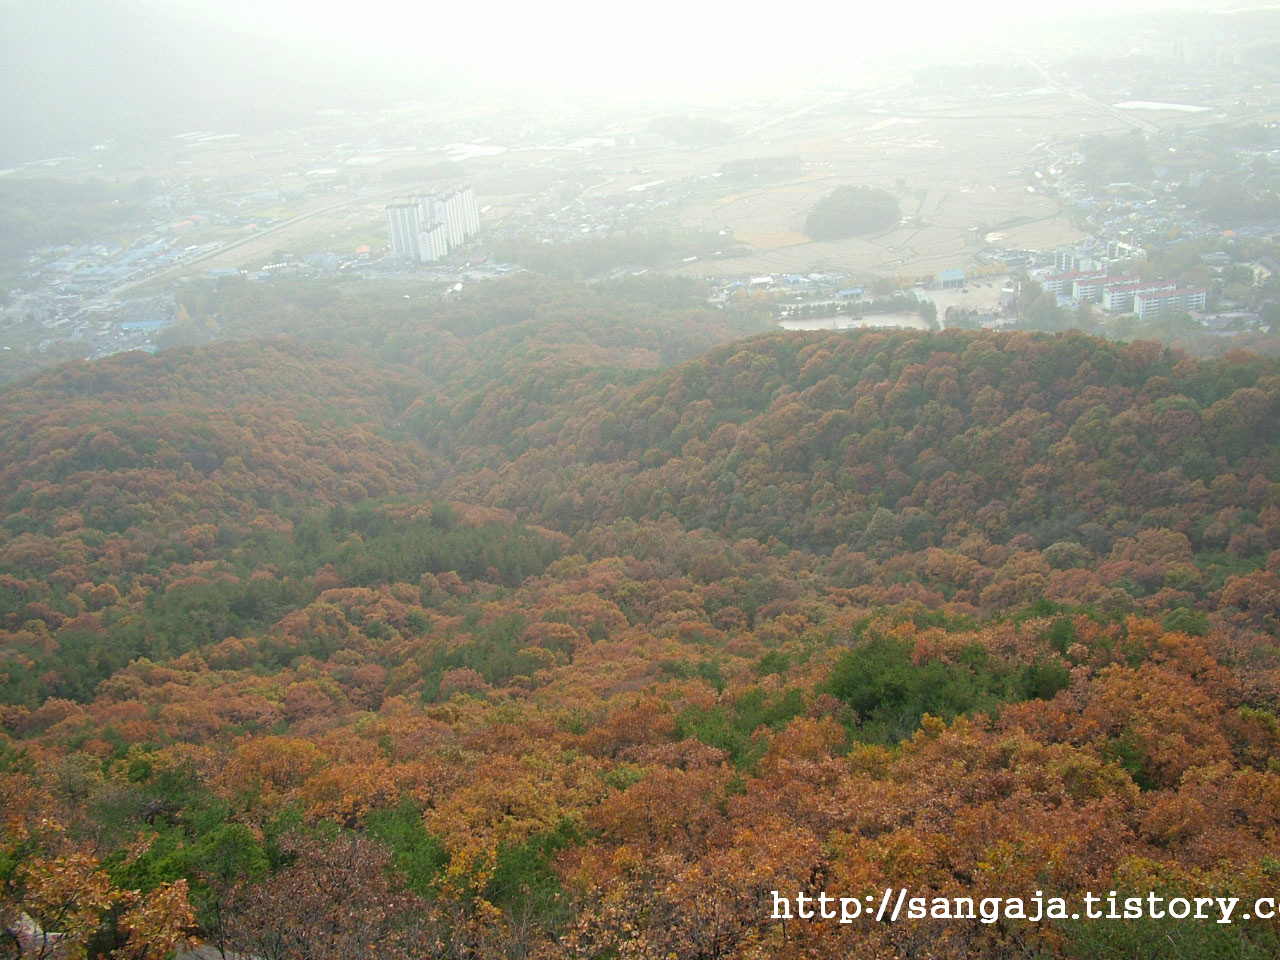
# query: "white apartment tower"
{"points": [[472, 211], [430, 226], [448, 213], [433, 244], [404, 223]]}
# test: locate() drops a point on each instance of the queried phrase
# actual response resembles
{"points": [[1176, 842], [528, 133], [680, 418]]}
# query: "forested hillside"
{"points": [[552, 627]]}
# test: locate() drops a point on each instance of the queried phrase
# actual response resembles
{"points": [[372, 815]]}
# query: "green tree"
{"points": [[849, 211]]}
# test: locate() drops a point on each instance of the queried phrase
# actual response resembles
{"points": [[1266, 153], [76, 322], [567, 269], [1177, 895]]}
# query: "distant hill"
{"points": [[77, 73], [903, 441]]}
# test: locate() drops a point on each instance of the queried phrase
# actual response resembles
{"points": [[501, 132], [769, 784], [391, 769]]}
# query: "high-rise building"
{"points": [[404, 223], [451, 213], [472, 211], [432, 243], [430, 226]]}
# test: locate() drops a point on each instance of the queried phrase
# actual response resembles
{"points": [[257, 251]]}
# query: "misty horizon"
{"points": [[79, 74]]}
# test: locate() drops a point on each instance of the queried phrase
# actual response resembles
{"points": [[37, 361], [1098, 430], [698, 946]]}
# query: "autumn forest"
{"points": [[546, 621]]}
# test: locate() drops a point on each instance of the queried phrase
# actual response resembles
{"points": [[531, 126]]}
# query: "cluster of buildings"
{"points": [[1093, 253], [428, 227], [1125, 294]]}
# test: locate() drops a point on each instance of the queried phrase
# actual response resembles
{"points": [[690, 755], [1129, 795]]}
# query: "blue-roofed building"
{"points": [[851, 293], [951, 278]]}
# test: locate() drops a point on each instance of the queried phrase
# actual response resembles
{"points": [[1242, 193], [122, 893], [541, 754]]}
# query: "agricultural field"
{"points": [[959, 172]]}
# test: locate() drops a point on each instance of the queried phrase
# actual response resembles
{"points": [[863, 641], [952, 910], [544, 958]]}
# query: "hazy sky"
{"points": [[645, 44], [76, 72]]}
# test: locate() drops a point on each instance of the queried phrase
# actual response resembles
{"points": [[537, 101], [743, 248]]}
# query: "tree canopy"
{"points": [[542, 624], [851, 211]]}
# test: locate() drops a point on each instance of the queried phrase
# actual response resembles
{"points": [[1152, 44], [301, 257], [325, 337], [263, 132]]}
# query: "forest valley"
{"points": [[539, 623]]}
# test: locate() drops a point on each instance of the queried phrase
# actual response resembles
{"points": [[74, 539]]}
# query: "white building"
{"points": [[449, 212], [404, 223], [472, 211], [1119, 250], [433, 244], [430, 226], [1156, 302], [1061, 283], [1118, 297], [457, 210], [1091, 290]]}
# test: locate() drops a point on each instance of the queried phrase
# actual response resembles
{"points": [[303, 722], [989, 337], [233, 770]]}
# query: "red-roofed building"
{"points": [[1155, 302], [1118, 297]]}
